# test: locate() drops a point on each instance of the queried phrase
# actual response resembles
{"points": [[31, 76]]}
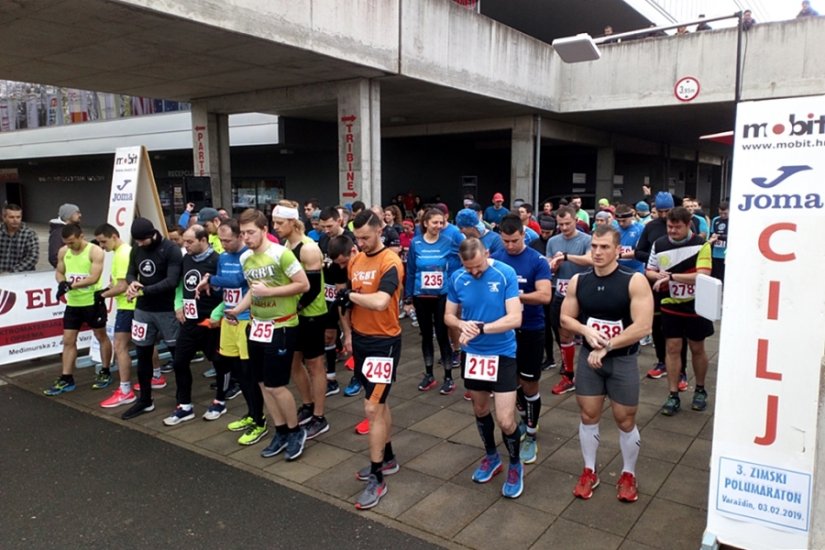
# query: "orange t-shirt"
{"points": [[369, 274]]}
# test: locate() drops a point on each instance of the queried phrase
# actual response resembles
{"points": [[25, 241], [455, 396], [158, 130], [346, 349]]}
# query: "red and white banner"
{"points": [[772, 341]]}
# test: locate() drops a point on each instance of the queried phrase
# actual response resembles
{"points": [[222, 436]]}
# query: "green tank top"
{"points": [[79, 266], [273, 267], [319, 305]]}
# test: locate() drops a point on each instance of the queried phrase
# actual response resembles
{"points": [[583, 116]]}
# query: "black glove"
{"points": [[99, 295], [342, 299], [62, 288]]}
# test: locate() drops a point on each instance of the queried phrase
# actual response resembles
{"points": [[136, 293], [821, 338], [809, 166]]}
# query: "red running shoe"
{"points": [[588, 481]]}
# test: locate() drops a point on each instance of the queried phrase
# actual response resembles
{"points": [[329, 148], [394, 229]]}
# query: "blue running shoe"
{"points": [[60, 386], [514, 485], [354, 388], [529, 450], [490, 466], [277, 445]]}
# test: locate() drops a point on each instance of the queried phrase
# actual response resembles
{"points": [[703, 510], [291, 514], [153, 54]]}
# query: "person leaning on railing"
{"points": [[19, 248]]}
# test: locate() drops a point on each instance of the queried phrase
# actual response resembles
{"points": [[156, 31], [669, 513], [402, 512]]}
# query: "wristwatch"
{"points": [[609, 346], [480, 328], [565, 256]]}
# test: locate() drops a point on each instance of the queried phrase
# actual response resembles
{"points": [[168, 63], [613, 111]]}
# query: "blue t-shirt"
{"points": [[492, 242], [494, 215], [426, 261], [530, 266], [529, 235], [314, 234], [483, 300], [629, 240], [456, 236], [231, 281], [701, 225]]}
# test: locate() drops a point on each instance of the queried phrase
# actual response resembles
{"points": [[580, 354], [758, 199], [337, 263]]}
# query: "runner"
{"points": [[211, 220], [108, 238], [428, 267], [275, 279], [612, 309], [153, 276], [630, 230], [197, 331], [312, 309], [373, 334], [569, 253], [719, 227], [674, 262], [79, 266], [485, 294], [535, 291]]}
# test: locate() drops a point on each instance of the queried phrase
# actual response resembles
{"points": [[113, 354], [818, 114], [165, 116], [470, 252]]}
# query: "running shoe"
{"points": [[118, 398], [413, 319], [448, 387], [671, 406], [489, 466], [179, 415], [700, 400], [549, 364], [529, 450], [253, 434], [139, 408], [372, 494], [468, 396], [350, 363], [215, 410], [626, 489], [233, 391], [276, 446], [333, 387], [363, 427], [683, 385], [198, 357], [647, 340], [60, 386], [295, 444], [102, 380], [456, 358], [316, 427], [388, 468], [241, 425], [427, 383], [588, 481], [565, 385], [209, 373], [304, 414], [166, 368], [659, 371], [514, 485], [157, 383], [353, 388]]}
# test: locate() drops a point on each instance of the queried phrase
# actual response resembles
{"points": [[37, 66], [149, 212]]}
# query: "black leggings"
{"points": [[430, 312]]}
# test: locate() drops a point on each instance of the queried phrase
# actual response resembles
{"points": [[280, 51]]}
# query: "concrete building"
{"points": [[380, 98]]}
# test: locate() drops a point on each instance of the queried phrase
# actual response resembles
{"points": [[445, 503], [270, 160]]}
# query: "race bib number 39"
{"points": [[190, 309], [378, 370], [261, 331], [138, 331], [481, 367], [561, 286], [610, 329], [432, 280], [231, 297], [681, 290]]}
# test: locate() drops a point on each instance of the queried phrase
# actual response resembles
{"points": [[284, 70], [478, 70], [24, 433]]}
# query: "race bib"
{"points": [[190, 309], [626, 249], [610, 329], [561, 286], [329, 293], [232, 297], [138, 331], [432, 280], [261, 331], [681, 290], [481, 367], [720, 244], [378, 370], [72, 278]]}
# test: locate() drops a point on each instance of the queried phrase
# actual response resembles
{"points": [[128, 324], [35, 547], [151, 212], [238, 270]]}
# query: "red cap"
{"points": [[498, 197]]}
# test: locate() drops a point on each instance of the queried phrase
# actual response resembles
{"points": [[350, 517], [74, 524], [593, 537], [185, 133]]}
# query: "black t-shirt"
{"points": [[390, 237], [193, 273], [157, 267]]}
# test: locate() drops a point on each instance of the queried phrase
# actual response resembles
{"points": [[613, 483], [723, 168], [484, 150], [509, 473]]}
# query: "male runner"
{"points": [[275, 279], [373, 334], [485, 294], [535, 291], [719, 227], [569, 253], [79, 266], [612, 309]]}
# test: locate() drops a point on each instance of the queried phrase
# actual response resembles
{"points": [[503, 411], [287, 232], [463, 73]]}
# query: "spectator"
{"points": [[747, 20], [67, 213], [680, 31], [807, 10], [19, 249], [702, 26]]}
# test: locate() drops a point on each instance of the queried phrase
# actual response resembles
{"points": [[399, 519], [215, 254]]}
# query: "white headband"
{"points": [[285, 212]]}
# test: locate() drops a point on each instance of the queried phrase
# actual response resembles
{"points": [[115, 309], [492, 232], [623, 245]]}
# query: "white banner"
{"points": [[772, 341]]}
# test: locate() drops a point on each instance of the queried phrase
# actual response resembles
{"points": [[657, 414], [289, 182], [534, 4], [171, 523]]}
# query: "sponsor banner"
{"points": [[31, 318], [765, 423]]}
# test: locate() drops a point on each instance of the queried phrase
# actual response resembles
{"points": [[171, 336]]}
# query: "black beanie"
{"points": [[142, 229]]}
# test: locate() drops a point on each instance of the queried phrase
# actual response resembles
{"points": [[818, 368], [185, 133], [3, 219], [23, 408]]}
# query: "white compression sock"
{"points": [[589, 439], [630, 443]]}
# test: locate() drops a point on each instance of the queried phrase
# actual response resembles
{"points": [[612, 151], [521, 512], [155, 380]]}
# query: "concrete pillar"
{"points": [[210, 152], [605, 169], [522, 158], [359, 141]]}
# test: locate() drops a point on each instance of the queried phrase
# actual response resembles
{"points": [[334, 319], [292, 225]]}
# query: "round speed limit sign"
{"points": [[686, 89]]}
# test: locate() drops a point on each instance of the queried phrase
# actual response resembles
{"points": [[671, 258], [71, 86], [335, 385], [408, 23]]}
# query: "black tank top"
{"points": [[606, 302]]}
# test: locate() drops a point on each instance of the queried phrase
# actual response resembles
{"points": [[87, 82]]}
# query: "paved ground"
{"points": [[438, 446]]}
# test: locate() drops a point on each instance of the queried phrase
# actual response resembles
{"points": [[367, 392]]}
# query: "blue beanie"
{"points": [[642, 206], [664, 200], [466, 218]]}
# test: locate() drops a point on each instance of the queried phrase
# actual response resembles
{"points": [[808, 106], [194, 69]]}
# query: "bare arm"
{"points": [[60, 272]]}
